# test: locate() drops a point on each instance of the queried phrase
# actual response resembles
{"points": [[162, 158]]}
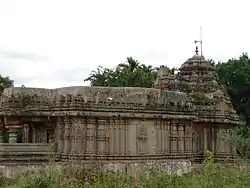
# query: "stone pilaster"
{"points": [[33, 128], [67, 144], [60, 124], [26, 131], [1, 131], [51, 133], [73, 136]]}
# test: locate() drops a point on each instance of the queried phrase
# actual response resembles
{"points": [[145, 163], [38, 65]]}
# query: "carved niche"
{"points": [[142, 138]]}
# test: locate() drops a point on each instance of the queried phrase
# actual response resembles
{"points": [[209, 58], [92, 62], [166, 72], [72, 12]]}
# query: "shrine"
{"points": [[180, 119]]}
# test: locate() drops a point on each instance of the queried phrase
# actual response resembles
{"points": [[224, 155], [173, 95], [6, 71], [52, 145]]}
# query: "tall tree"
{"points": [[234, 76], [128, 74], [5, 82]]}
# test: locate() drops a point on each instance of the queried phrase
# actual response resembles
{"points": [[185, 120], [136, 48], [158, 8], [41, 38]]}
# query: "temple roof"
{"points": [[197, 74], [197, 62]]}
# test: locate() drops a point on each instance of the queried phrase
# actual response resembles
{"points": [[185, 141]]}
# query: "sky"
{"points": [[56, 43]]}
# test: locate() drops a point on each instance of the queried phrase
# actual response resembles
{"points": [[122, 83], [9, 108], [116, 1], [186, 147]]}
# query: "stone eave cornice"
{"points": [[218, 119], [96, 112]]}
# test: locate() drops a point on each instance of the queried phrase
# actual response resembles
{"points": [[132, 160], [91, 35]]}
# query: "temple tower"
{"points": [[197, 74]]}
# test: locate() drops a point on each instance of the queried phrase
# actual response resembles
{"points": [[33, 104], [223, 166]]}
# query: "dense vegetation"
{"points": [[210, 176]]}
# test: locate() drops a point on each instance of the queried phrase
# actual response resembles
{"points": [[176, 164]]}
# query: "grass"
{"points": [[210, 176]]}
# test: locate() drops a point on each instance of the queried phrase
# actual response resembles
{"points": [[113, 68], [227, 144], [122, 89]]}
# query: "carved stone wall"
{"points": [[118, 123], [61, 129], [121, 138]]}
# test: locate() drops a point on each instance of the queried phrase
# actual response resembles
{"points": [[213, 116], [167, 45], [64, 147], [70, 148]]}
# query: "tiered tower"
{"points": [[197, 74]]}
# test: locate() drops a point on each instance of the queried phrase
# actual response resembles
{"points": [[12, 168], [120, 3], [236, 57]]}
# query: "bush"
{"points": [[210, 176]]}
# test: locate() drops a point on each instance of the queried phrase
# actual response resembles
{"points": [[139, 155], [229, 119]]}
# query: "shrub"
{"points": [[211, 176]]}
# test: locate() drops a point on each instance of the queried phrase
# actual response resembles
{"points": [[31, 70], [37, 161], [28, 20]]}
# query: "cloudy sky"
{"points": [[56, 43]]}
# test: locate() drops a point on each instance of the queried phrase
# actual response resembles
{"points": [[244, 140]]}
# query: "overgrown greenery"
{"points": [[234, 76], [210, 176]]}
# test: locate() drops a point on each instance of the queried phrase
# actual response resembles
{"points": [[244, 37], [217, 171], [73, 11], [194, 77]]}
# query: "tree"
{"points": [[101, 77], [234, 76], [5, 82], [128, 74]]}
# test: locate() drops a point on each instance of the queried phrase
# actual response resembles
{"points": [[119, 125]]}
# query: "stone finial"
{"points": [[196, 50]]}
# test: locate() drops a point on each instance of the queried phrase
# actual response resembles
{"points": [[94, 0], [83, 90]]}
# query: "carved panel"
{"points": [[67, 135], [198, 138], [91, 143], [221, 145], [166, 136], [60, 128], [102, 139], [122, 137], [181, 137], [90, 136], [158, 136], [126, 150], [26, 133], [80, 135], [188, 138], [41, 135], [173, 138], [102, 135], [73, 136], [51, 134], [142, 138], [111, 137], [115, 134]]}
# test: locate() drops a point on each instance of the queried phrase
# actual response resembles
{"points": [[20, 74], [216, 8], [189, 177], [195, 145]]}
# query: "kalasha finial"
{"points": [[196, 50]]}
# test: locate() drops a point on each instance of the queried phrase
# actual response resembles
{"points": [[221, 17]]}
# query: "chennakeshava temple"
{"points": [[169, 127]]}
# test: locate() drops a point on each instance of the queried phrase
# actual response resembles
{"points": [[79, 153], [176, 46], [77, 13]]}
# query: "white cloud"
{"points": [[56, 43]]}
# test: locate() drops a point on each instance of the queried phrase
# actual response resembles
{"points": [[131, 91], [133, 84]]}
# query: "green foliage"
{"points": [[5, 82], [128, 74], [239, 137], [234, 75], [211, 176]]}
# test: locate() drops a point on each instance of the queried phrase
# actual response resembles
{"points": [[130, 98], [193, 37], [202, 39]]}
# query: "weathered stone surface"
{"points": [[121, 128]]}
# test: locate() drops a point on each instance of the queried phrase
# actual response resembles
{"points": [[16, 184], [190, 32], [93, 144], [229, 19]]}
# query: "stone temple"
{"points": [[166, 127]]}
